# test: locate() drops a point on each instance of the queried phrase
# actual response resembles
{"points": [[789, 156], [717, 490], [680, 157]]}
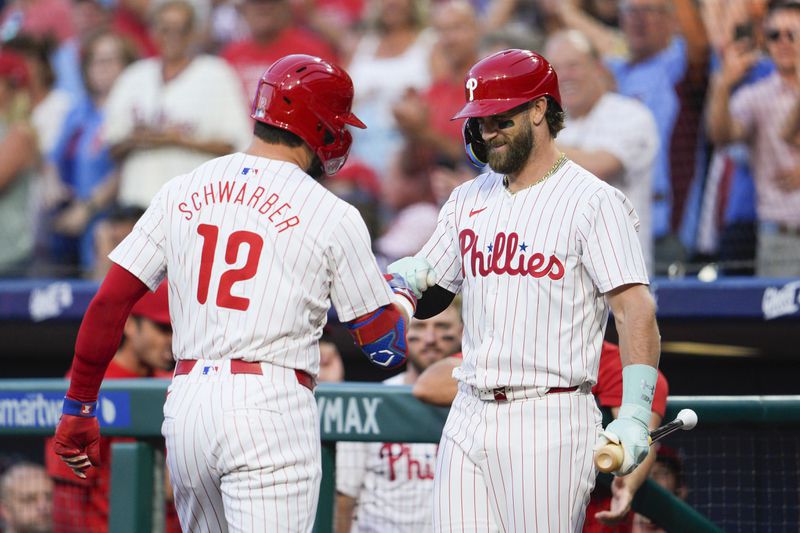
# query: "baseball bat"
{"points": [[610, 457]]}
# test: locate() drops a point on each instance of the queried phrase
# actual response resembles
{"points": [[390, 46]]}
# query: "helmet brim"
{"points": [[487, 108], [353, 120]]}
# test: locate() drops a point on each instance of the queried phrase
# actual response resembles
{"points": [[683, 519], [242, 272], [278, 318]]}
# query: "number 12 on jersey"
{"points": [[210, 235]]}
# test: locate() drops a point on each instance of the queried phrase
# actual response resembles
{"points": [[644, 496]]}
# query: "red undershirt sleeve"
{"points": [[101, 331]]}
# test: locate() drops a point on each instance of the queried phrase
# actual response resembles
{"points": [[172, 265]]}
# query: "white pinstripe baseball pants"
{"points": [[514, 466], [243, 451]]}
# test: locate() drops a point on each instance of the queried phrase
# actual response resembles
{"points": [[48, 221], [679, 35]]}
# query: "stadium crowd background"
{"points": [[103, 101]]}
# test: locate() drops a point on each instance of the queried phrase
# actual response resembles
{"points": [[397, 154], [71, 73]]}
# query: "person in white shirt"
{"points": [[611, 135]]}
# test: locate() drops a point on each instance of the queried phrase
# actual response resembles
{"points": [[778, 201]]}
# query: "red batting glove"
{"points": [[77, 442]]}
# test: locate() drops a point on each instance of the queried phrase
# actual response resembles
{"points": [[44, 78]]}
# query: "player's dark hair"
{"points": [[778, 5], [554, 117], [274, 135]]}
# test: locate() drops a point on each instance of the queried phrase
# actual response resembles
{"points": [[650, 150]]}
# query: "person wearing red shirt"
{"points": [[608, 511], [272, 36], [81, 505], [425, 117]]}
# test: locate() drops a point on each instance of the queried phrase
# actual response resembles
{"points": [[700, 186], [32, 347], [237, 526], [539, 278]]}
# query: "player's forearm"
{"points": [[101, 331], [635, 318]]}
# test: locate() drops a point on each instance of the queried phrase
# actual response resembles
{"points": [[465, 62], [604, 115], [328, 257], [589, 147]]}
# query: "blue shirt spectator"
{"points": [[653, 82]]}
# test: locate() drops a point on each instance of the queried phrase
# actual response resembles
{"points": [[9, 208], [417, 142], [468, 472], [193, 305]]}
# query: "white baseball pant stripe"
{"points": [[516, 466], [243, 450]]}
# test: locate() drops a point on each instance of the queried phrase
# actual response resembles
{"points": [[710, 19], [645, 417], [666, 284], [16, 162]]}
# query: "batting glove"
{"points": [[634, 438], [77, 438], [630, 429], [416, 271]]}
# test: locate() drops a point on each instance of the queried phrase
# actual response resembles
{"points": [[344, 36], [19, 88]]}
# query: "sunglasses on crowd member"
{"points": [[774, 34]]}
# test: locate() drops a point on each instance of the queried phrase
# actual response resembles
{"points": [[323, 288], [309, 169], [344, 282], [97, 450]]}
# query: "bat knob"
{"points": [[609, 458]]}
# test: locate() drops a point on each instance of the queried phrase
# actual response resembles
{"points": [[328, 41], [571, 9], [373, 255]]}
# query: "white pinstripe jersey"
{"points": [[392, 482], [533, 267], [255, 251]]}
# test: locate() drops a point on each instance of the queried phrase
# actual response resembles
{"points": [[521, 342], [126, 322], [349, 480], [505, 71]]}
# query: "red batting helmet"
{"points": [[505, 80], [311, 98], [499, 83]]}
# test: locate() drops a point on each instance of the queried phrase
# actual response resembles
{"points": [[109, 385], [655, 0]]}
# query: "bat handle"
{"points": [[609, 458]]}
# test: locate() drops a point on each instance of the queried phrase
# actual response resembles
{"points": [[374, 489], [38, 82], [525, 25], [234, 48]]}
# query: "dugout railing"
{"points": [[377, 413]]}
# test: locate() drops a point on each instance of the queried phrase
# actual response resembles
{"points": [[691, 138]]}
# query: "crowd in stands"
{"points": [[691, 107]]}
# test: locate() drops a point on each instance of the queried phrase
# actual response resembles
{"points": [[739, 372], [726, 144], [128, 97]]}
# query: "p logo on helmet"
{"points": [[472, 84]]}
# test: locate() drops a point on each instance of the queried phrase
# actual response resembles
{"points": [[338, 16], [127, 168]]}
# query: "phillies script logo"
{"points": [[505, 256]]}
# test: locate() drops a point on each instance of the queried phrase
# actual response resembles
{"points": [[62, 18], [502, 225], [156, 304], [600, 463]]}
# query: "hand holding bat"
{"points": [[609, 458]]}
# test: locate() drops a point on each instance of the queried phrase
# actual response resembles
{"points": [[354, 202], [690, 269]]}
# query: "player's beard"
{"points": [[518, 149]]}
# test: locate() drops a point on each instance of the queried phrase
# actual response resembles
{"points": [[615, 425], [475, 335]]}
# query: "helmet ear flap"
{"points": [[474, 143]]}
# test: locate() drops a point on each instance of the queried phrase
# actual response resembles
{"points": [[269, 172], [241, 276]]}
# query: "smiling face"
{"points": [[580, 78]]}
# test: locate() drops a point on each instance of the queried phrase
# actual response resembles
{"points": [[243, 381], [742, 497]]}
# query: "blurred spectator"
{"points": [[388, 487], [611, 135], [130, 19], [446, 175], [424, 117], [331, 368], [408, 194], [83, 178], [358, 185], [659, 60], [81, 505], [39, 18], [49, 105], [667, 472], [758, 114], [26, 499], [228, 25], [88, 17], [541, 16], [512, 35], [273, 35], [719, 219], [19, 158], [109, 233], [392, 57], [169, 114], [598, 20]]}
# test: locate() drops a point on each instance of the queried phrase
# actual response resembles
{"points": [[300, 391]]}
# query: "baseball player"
{"points": [[385, 487], [540, 249], [256, 250], [608, 511]]}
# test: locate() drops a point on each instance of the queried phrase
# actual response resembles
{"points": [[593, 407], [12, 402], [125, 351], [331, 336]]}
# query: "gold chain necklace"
{"points": [[556, 166]]}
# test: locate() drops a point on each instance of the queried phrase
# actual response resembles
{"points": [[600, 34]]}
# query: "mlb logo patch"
{"points": [[211, 370], [246, 170]]}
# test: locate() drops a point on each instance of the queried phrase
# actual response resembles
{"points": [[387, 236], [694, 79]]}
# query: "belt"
{"points": [[238, 366], [505, 394]]}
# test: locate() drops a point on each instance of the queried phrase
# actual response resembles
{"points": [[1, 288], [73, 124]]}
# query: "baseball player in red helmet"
{"points": [[256, 252], [540, 249]]}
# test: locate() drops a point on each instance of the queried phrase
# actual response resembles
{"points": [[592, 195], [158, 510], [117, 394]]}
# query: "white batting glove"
{"points": [[417, 272]]}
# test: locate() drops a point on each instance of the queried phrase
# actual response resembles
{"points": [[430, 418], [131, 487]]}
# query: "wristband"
{"points": [[76, 408], [638, 387]]}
